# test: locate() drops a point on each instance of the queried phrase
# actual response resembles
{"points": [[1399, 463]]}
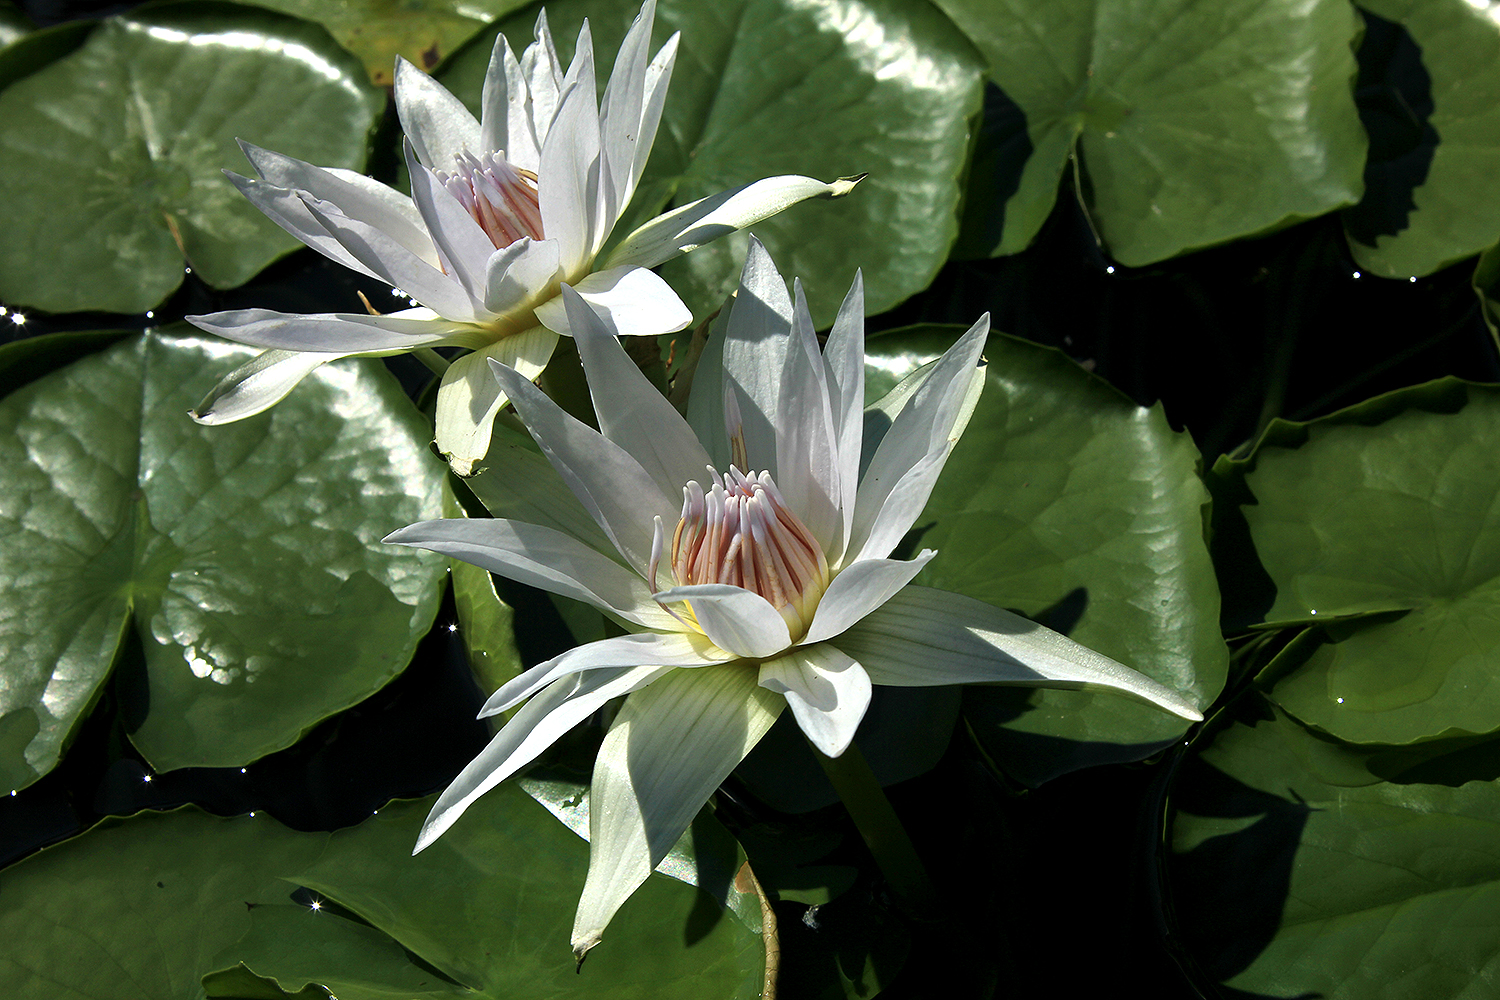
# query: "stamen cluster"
{"points": [[741, 532], [499, 196]]}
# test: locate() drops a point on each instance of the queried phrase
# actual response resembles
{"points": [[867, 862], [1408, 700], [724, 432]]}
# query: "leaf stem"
{"points": [[881, 829], [432, 359]]}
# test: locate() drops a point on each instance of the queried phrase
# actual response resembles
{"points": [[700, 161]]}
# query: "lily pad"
{"points": [[1297, 871], [765, 87], [139, 907], [1385, 513], [247, 557], [1194, 123], [112, 157], [484, 620], [424, 31], [1452, 210], [490, 906], [1070, 504]]}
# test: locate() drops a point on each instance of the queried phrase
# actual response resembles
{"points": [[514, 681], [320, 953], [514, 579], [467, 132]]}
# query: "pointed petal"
{"points": [[622, 498], [463, 248], [677, 649], [257, 385], [620, 110], [807, 469], [287, 209], [468, 398], [629, 301], [543, 73], [755, 354], [706, 219], [539, 724], [568, 192], [357, 196], [393, 263], [515, 481], [924, 638], [520, 274], [736, 619], [900, 476], [658, 78], [631, 412], [539, 557], [859, 590], [671, 745], [826, 690], [505, 109], [437, 123], [844, 355], [342, 333]]}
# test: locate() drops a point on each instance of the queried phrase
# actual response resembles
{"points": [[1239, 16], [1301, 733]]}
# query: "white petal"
{"points": [[807, 469], [923, 638], [658, 78], [706, 219], [538, 557], [258, 385], [736, 619], [620, 109], [342, 333], [543, 73], [859, 590], [393, 263], [705, 410], [622, 498], [631, 412], [515, 481], [357, 196], [539, 724], [463, 248], [568, 190], [671, 745], [505, 109], [436, 122], [629, 301], [521, 274], [826, 690], [468, 397], [900, 476], [844, 355], [755, 350], [643, 649]]}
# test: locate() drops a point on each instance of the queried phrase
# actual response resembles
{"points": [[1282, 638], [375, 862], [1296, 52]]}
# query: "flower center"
{"points": [[500, 197], [741, 532]]}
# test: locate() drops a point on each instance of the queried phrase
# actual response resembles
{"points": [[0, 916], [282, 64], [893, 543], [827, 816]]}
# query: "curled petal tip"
{"points": [[844, 185], [581, 948]]}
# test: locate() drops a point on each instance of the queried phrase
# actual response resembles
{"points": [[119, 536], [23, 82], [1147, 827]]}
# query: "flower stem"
{"points": [[432, 359], [881, 829]]}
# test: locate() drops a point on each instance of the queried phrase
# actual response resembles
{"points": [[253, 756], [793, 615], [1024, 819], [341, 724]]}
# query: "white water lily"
{"points": [[503, 211], [745, 592]]}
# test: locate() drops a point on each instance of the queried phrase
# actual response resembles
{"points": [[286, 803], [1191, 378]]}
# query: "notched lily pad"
{"points": [[1195, 123], [1298, 870], [247, 556], [1383, 519], [112, 156]]}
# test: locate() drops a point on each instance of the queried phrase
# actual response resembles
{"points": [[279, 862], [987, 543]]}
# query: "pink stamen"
{"points": [[500, 197]]}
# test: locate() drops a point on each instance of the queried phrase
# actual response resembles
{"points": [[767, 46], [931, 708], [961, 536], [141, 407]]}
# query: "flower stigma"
{"points": [[741, 532], [501, 197]]}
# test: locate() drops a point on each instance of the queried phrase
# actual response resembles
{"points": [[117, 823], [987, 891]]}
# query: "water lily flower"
{"points": [[747, 549], [504, 211]]}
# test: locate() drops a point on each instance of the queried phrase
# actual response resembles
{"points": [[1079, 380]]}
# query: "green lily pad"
{"points": [[1487, 287], [1453, 210], [140, 907], [247, 557], [1297, 871], [424, 31], [490, 906], [484, 620], [1070, 504], [765, 87], [1385, 512], [1195, 123], [112, 156]]}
